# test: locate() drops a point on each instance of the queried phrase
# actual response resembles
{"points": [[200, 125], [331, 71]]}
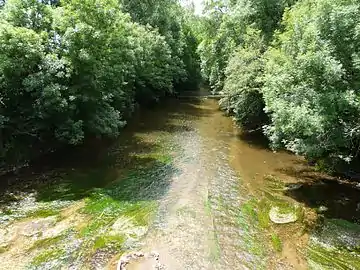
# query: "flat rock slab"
{"points": [[38, 226], [127, 227], [278, 217], [6, 237]]}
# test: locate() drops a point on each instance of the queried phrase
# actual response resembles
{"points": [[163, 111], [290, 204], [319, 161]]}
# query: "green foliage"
{"points": [[243, 82], [73, 70], [225, 26], [303, 90], [311, 85], [172, 22]]}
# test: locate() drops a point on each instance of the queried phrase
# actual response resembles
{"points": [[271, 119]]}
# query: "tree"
{"points": [[168, 17], [225, 26], [311, 86], [242, 88], [74, 70]]}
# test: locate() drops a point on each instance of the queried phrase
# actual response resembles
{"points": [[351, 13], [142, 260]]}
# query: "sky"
{"points": [[198, 6], [197, 3]]}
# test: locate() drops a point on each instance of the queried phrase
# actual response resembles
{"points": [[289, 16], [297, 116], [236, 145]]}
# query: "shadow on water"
{"points": [[255, 139], [339, 200], [335, 199], [132, 163]]}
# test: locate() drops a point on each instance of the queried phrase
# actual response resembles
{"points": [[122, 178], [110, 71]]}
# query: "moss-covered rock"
{"points": [[282, 215]]}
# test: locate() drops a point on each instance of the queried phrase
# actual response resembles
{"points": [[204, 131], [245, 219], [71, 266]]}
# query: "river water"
{"points": [[201, 224], [213, 192]]}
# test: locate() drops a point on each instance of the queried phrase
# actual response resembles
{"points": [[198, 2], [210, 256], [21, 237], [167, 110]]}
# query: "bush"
{"points": [[243, 82], [312, 80]]}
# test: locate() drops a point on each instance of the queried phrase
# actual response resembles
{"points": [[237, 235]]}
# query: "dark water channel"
{"points": [[183, 181]]}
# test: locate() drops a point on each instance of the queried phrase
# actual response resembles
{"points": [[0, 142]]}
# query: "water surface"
{"points": [[183, 181]]}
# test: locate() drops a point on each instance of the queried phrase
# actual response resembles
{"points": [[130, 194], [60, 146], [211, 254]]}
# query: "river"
{"points": [[182, 182]]}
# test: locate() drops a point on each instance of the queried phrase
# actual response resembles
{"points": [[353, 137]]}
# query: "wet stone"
{"points": [[279, 217], [340, 233], [322, 209], [6, 237], [140, 260], [293, 186], [38, 226]]}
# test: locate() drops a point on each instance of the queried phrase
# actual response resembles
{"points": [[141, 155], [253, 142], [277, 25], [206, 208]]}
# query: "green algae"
{"points": [[44, 212], [335, 245], [274, 184], [132, 196], [113, 241], [215, 250], [276, 242], [47, 242], [123, 209], [328, 258], [156, 156], [214, 245], [262, 211], [248, 220], [4, 249], [47, 256]]}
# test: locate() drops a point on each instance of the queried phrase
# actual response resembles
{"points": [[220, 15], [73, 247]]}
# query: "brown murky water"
{"points": [[200, 225], [214, 203]]}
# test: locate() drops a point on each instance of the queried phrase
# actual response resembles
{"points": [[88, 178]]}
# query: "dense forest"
{"points": [[75, 69]]}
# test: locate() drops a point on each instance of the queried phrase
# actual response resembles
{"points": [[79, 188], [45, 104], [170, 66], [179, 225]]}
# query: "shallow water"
{"points": [[183, 181]]}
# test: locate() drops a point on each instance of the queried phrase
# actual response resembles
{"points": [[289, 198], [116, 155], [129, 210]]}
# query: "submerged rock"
{"points": [[340, 234], [126, 227], [280, 217], [293, 186], [322, 209], [38, 226], [6, 237], [335, 246], [140, 260]]}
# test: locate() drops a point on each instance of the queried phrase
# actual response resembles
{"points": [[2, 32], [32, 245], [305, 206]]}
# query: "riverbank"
{"points": [[182, 181]]}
